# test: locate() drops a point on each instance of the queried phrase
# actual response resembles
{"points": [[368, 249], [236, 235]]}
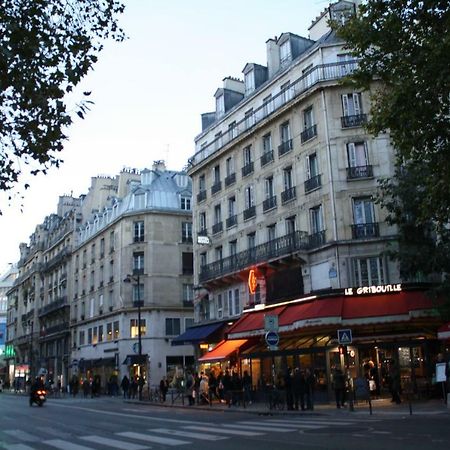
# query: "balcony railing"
{"points": [[288, 195], [55, 305], [316, 239], [186, 239], [356, 120], [231, 221], [312, 183], [249, 212], [276, 248], [365, 230], [217, 227], [269, 203], [359, 172], [230, 179], [266, 158], [201, 196], [216, 187], [308, 80], [285, 147], [247, 169], [61, 327], [308, 133]]}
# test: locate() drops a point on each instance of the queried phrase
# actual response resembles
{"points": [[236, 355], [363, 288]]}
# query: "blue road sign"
{"points": [[345, 336], [272, 338]]}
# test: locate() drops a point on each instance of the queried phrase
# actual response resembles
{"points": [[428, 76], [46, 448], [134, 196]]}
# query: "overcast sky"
{"points": [[149, 93]]}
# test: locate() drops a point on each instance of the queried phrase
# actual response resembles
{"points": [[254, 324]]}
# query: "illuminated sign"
{"points": [[203, 240], [9, 351], [252, 281], [373, 289]]}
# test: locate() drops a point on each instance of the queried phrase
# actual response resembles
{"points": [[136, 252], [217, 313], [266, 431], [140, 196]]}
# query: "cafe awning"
{"points": [[444, 332], [222, 350], [198, 334]]}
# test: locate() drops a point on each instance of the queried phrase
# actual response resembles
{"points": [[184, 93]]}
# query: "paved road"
{"points": [[84, 424]]}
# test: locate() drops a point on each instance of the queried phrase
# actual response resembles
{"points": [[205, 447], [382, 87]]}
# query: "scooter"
{"points": [[38, 397]]}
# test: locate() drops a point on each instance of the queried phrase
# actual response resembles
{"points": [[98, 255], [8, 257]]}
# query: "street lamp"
{"points": [[137, 302]]}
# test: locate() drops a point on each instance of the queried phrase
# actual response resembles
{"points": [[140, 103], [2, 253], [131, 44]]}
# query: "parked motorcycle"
{"points": [[38, 397]]}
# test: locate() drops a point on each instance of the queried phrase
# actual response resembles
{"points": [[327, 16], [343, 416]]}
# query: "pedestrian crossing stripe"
{"points": [[112, 443], [154, 439], [188, 434], [221, 430]]}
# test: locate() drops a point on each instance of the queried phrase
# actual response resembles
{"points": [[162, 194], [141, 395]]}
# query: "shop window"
{"points": [[134, 329]]}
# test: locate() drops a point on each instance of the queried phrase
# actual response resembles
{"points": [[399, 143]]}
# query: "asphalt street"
{"points": [[110, 423]]}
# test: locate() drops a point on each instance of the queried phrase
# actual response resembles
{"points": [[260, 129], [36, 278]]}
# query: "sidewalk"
{"points": [[361, 408]]}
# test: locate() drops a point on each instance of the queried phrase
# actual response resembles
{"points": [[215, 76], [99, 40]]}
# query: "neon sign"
{"points": [[252, 281], [373, 289]]}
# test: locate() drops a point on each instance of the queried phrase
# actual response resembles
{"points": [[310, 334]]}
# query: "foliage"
{"points": [[46, 48], [404, 45]]}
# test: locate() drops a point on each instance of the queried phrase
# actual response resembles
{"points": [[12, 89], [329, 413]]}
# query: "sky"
{"points": [[149, 93]]}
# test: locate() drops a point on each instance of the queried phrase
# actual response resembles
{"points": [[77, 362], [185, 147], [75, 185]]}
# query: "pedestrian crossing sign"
{"points": [[344, 336]]}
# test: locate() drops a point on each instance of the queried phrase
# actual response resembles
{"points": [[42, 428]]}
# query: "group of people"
{"points": [[299, 386], [132, 388]]}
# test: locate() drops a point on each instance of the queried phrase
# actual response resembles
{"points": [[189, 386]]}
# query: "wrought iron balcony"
{"points": [[247, 169], [186, 239], [249, 212], [230, 179], [270, 203], [266, 158], [365, 230], [288, 195], [354, 173], [285, 147], [357, 120], [308, 133], [55, 305], [231, 221], [276, 248], [216, 187], [317, 239], [217, 227], [59, 328], [201, 196], [312, 183]]}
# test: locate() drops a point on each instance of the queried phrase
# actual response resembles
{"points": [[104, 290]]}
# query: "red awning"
{"points": [[444, 331], [222, 350], [339, 310]]}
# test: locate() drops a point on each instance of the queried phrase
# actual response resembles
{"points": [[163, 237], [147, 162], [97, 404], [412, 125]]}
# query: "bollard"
{"points": [[448, 400]]}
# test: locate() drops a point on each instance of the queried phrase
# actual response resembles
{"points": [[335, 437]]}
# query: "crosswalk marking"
{"points": [[291, 426], [21, 435], [66, 445], [222, 431], [114, 443], [312, 422], [19, 447], [259, 427], [189, 434], [155, 439]]}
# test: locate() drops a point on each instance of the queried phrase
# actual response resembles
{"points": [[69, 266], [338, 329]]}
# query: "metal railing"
{"points": [[356, 120], [247, 169], [230, 179], [288, 194], [365, 230], [285, 147], [269, 203], [312, 183], [308, 133], [359, 172], [266, 158]]}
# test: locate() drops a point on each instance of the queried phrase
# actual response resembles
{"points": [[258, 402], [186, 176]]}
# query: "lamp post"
{"points": [[138, 302]]}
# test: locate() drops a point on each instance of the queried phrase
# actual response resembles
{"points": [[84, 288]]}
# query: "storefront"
{"points": [[387, 323]]}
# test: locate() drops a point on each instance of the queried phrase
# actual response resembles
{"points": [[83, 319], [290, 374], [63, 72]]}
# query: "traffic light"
{"points": [[343, 350]]}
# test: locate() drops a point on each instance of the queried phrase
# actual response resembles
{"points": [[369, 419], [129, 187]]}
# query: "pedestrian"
{"points": [[163, 388], [394, 380], [236, 388], [338, 384], [86, 387], [227, 387], [299, 389], [190, 391], [310, 379], [134, 387], [247, 386], [125, 385], [288, 389]]}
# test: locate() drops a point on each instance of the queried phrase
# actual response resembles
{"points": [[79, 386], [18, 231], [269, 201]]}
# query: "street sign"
{"points": [[344, 336], [272, 338], [270, 322]]}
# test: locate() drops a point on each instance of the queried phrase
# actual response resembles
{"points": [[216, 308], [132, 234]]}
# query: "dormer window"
{"points": [[285, 53], [220, 106], [249, 82]]}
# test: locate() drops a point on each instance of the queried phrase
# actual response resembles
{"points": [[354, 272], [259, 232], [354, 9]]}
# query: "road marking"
{"points": [[156, 439], [18, 447], [189, 434], [312, 422], [260, 427], [222, 431], [113, 443], [66, 445], [21, 435], [381, 432], [291, 426]]}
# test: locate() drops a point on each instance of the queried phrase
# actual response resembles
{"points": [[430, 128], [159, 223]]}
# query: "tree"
{"points": [[46, 48], [403, 45]]}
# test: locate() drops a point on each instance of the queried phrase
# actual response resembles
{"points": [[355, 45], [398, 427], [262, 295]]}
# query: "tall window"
{"points": [[234, 304], [102, 247], [357, 154], [308, 118], [139, 201], [220, 106], [188, 293], [285, 53], [232, 130], [249, 82], [186, 232], [268, 105], [188, 263], [285, 132], [247, 152], [109, 331], [269, 187], [203, 259], [112, 243], [251, 240], [316, 219], [351, 104], [138, 293], [217, 214], [219, 253], [287, 178], [232, 248], [202, 221], [230, 166], [267, 143], [290, 225], [116, 330], [134, 329], [219, 306], [363, 211], [139, 231], [173, 326], [216, 174], [312, 166], [138, 262], [249, 197], [271, 233], [287, 92], [249, 118], [368, 271], [185, 203]]}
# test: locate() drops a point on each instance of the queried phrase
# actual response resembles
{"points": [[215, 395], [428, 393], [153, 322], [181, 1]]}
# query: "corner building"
{"points": [[285, 222]]}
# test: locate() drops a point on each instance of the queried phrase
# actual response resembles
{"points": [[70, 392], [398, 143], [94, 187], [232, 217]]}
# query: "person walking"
{"points": [[339, 386], [163, 388], [395, 383], [190, 388], [298, 389], [125, 385]]}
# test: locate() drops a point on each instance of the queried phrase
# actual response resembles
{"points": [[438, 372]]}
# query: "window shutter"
{"points": [[351, 154], [357, 102], [345, 108]]}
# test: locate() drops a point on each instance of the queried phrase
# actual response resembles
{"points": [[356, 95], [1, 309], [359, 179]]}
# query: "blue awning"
{"points": [[196, 335]]}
